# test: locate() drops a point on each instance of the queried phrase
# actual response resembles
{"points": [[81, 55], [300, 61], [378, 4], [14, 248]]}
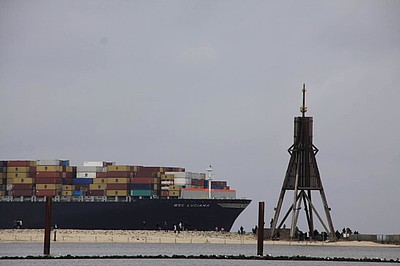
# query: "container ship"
{"points": [[105, 195]]}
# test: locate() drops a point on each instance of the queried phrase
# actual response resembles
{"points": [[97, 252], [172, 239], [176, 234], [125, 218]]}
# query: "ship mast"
{"points": [[209, 178]]}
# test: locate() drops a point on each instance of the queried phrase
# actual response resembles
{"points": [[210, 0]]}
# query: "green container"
{"points": [[142, 193]]}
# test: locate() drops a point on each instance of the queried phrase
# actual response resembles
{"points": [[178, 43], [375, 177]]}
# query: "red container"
{"points": [[48, 174], [46, 192], [22, 187], [164, 193], [18, 163], [97, 193], [174, 169], [142, 180], [118, 174], [25, 193], [48, 180], [101, 175], [149, 169], [117, 186], [145, 174]]}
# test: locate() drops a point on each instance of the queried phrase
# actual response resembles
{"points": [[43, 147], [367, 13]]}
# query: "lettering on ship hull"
{"points": [[191, 205]]}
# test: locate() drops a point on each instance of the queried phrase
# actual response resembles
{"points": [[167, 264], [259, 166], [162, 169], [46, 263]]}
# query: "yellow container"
{"points": [[135, 168], [19, 175], [118, 180], [99, 180], [48, 186], [119, 168], [174, 188], [17, 180], [18, 169], [2, 193], [167, 177], [121, 193], [68, 169], [174, 193], [68, 187], [97, 186], [49, 168], [67, 193]]}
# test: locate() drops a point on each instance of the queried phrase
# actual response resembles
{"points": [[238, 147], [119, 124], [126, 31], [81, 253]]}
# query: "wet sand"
{"points": [[143, 236]]}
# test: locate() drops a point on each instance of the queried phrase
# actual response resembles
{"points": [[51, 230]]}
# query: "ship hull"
{"points": [[139, 214]]}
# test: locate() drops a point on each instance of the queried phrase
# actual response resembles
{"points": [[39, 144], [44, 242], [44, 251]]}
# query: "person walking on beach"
{"points": [[166, 226]]}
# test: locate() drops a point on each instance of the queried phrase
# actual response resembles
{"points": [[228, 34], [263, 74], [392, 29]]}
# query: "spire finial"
{"points": [[303, 108]]}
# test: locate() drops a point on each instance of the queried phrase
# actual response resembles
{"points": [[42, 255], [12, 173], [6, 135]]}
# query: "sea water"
{"points": [[102, 249]]}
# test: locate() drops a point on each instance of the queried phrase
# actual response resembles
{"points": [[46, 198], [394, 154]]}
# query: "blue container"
{"points": [[142, 193], [82, 181], [142, 186], [77, 193], [64, 162]]}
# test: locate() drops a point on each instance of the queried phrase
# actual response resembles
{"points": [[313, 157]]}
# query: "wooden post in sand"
{"points": [[47, 226], [260, 229]]}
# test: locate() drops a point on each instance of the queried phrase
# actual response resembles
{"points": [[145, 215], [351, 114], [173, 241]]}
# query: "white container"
{"points": [[86, 175], [91, 169], [176, 174], [88, 163], [167, 182], [182, 181], [188, 175], [48, 162]]}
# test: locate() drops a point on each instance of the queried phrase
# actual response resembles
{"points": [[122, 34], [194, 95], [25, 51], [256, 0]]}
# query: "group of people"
{"points": [[177, 228]]}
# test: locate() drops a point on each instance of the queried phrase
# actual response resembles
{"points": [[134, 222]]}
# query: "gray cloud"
{"points": [[189, 83]]}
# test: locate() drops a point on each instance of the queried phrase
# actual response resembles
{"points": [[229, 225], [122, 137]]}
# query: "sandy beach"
{"points": [[143, 236]]}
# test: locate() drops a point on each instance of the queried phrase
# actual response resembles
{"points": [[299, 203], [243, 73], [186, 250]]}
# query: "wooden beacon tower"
{"points": [[302, 176]]}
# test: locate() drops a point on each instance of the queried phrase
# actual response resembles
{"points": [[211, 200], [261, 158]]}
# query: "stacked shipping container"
{"points": [[118, 179], [20, 178], [3, 178], [146, 181], [51, 175], [58, 178]]}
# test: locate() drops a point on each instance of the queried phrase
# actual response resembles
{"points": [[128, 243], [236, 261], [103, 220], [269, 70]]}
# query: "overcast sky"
{"points": [[193, 83]]}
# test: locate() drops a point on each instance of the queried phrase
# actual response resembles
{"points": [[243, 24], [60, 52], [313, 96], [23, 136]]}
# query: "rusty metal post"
{"points": [[47, 226], [260, 230]]}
